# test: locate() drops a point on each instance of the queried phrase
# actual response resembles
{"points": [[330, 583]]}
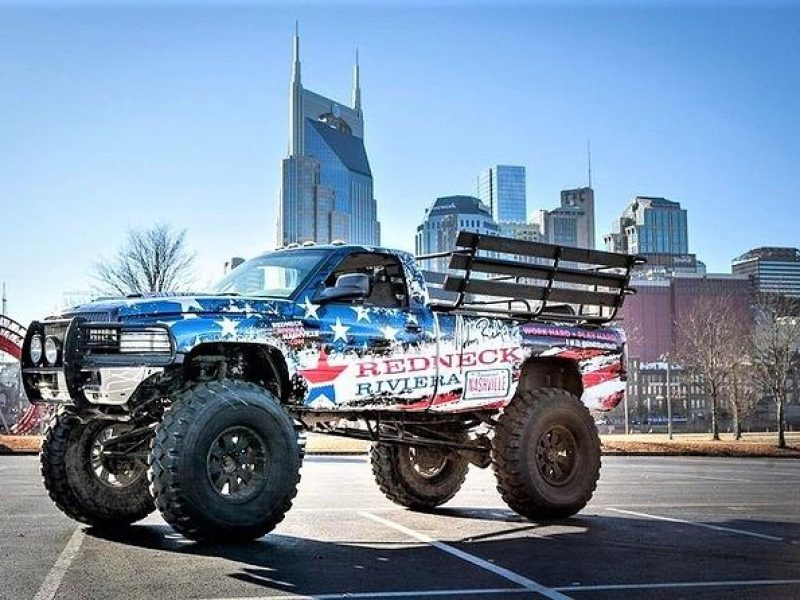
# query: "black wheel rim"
{"points": [[556, 455], [236, 464], [115, 473], [427, 462]]}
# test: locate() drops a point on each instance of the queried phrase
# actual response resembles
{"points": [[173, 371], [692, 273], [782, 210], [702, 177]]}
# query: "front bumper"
{"points": [[87, 372], [112, 386]]}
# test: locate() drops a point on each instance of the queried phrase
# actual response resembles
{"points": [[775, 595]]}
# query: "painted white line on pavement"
{"points": [[711, 477], [677, 584], [52, 582], [762, 536], [346, 509], [403, 594], [497, 591], [528, 584]]}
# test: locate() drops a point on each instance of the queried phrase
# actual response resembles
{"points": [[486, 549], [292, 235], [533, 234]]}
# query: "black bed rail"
{"points": [[533, 280]]}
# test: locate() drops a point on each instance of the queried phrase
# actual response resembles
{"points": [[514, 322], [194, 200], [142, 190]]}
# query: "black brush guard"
{"points": [[533, 280]]}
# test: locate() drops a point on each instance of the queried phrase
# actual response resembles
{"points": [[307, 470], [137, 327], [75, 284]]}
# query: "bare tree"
{"points": [[743, 394], [154, 259], [775, 349], [706, 346]]}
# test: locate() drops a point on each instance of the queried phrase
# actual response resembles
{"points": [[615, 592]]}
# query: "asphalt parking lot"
{"points": [[658, 527]]}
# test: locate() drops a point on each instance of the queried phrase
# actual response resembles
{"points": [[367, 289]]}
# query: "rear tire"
{"points": [[225, 462], [546, 454], [85, 486], [419, 478]]}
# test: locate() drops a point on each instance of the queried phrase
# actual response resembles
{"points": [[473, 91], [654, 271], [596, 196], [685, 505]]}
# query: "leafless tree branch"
{"points": [[775, 349], [712, 343], [151, 260]]}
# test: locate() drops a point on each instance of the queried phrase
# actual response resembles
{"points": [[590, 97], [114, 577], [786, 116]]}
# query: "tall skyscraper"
{"points": [[650, 225], [774, 270], [326, 189], [502, 189], [657, 229], [571, 223], [449, 215]]}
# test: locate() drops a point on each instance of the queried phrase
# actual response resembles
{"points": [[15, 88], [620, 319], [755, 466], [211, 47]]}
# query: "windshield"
{"points": [[276, 275]]}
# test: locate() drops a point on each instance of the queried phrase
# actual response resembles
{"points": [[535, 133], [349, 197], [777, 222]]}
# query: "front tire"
{"points": [[546, 454], [419, 478], [84, 484], [225, 462]]}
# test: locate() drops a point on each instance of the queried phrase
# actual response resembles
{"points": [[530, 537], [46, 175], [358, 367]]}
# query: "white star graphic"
{"points": [[234, 307], [362, 314], [310, 308], [389, 332], [189, 304], [228, 327], [339, 330]]}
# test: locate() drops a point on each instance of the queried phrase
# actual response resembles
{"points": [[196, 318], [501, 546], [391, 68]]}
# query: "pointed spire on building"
{"points": [[356, 86], [296, 54], [589, 159], [295, 99]]}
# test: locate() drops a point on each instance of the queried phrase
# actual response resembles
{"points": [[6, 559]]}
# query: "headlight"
{"points": [[145, 340], [35, 351], [51, 351]]}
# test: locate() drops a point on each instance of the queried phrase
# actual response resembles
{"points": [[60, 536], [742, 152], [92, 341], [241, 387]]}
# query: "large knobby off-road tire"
{"points": [[225, 462], [417, 477], [84, 484], [546, 454]]}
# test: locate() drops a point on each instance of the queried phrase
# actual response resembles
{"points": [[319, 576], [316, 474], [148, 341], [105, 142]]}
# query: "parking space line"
{"points": [[52, 581], [401, 594], [762, 536], [526, 583], [709, 477], [676, 585]]}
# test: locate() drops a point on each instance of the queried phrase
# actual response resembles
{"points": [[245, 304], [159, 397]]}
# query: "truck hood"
{"points": [[174, 305]]}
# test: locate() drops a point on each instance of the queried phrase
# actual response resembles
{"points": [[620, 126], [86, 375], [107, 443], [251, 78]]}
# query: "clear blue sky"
{"points": [[122, 115]]}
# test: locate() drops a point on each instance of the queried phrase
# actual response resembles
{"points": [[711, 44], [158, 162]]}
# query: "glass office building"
{"points": [[326, 189], [502, 189], [650, 225], [774, 270], [449, 215], [571, 223]]}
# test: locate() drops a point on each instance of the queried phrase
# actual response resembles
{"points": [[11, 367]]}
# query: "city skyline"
{"points": [[201, 152]]}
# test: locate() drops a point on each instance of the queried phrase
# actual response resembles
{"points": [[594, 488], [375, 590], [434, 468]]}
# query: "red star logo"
{"points": [[324, 372]]}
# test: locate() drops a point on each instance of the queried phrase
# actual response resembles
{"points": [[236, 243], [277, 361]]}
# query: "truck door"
{"points": [[374, 351]]}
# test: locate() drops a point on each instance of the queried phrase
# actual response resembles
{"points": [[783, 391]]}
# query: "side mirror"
{"points": [[348, 286]]}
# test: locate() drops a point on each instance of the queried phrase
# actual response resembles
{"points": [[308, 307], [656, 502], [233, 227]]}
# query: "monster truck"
{"points": [[196, 404]]}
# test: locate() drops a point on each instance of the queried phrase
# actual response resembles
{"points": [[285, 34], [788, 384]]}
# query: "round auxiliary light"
{"points": [[51, 351], [35, 351]]}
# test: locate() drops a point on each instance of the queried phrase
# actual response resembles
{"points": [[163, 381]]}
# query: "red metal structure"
{"points": [[12, 334]]}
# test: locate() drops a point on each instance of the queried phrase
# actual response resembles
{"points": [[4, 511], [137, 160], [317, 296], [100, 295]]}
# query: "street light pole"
{"points": [[665, 359], [627, 423], [669, 403]]}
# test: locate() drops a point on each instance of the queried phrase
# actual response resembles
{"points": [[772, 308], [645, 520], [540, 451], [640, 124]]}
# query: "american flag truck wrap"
{"points": [[197, 404]]}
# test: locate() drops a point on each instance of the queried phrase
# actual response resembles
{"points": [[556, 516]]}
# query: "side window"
{"points": [[388, 285]]}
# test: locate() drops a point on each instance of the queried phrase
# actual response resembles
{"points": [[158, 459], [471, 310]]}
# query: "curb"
{"points": [[696, 454], [664, 453]]}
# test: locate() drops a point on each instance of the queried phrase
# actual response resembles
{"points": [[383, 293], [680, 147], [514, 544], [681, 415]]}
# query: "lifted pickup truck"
{"points": [[196, 404]]}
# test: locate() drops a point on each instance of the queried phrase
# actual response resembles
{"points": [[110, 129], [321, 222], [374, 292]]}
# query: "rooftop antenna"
{"points": [[589, 159], [356, 86], [5, 300]]}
